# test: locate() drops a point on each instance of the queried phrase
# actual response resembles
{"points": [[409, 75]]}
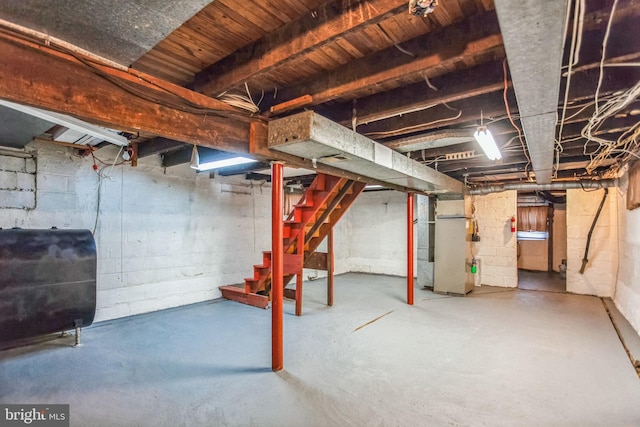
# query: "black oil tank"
{"points": [[47, 281]]}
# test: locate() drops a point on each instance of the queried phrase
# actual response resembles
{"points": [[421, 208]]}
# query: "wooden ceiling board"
{"points": [[215, 32], [225, 26]]}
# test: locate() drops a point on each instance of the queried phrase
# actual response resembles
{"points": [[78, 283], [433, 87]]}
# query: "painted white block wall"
{"points": [[497, 247], [600, 274], [341, 235], [17, 182], [165, 237], [378, 233], [627, 293]]}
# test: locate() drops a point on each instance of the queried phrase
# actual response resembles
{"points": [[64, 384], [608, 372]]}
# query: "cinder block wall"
{"points": [[497, 248], [341, 236], [17, 182], [627, 293], [599, 276], [378, 233], [165, 237]]}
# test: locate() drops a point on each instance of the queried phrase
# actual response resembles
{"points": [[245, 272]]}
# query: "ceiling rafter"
{"points": [[452, 44], [310, 32], [451, 87], [41, 77]]}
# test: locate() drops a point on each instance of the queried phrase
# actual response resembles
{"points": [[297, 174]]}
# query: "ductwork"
{"points": [[533, 34], [311, 136], [555, 186]]}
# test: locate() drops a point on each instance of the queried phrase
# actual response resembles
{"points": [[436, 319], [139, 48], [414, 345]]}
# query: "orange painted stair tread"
{"points": [[311, 219]]}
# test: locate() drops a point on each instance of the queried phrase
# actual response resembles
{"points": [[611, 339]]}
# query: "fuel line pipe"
{"points": [[585, 259]]}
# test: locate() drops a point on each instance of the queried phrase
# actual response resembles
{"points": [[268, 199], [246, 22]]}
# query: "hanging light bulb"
{"points": [[195, 158]]}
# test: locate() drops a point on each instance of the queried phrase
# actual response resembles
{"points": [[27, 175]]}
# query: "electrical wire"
{"points": [[426, 79], [578, 20], [627, 142], [584, 107], [623, 64], [95, 224], [604, 52], [411, 128], [101, 177], [508, 143], [397, 46], [558, 149]]}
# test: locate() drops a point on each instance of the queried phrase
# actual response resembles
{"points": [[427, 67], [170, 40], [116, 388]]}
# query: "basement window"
{"points": [[532, 235], [533, 223]]}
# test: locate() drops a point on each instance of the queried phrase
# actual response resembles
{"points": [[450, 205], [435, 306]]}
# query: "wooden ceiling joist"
{"points": [[45, 78], [452, 44], [465, 111], [312, 31], [453, 87], [158, 145]]}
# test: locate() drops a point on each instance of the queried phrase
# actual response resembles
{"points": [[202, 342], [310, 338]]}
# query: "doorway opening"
{"points": [[542, 241]]}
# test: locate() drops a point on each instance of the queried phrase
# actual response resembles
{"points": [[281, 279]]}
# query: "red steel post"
{"points": [[277, 268], [300, 251], [330, 260], [410, 203]]}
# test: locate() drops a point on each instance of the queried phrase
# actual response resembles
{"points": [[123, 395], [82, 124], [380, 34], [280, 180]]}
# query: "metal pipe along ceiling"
{"points": [[532, 186], [533, 34]]}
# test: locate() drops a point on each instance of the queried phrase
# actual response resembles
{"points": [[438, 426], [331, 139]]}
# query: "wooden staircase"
{"points": [[308, 224]]}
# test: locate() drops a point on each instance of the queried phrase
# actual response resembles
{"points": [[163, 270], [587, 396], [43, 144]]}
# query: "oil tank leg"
{"points": [[78, 324]]}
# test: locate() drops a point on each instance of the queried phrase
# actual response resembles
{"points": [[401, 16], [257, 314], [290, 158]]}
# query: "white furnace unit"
{"points": [[452, 256]]}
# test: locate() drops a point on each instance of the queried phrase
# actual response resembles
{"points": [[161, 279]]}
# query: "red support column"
{"points": [[300, 251], [410, 203], [277, 268], [330, 268]]}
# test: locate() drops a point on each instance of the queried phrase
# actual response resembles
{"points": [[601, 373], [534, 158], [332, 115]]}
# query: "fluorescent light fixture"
{"points": [[224, 163], [488, 144], [99, 132], [374, 187]]}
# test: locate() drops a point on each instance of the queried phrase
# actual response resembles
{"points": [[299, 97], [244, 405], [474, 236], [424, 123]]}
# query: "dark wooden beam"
{"points": [[620, 46], [451, 87], [582, 146], [613, 125], [584, 83], [587, 112], [258, 177], [481, 80], [326, 24], [175, 158], [183, 155], [465, 111], [243, 169], [476, 35], [582, 88], [44, 78], [157, 146]]}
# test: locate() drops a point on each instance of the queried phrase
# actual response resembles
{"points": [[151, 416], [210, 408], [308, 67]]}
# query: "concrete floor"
{"points": [[541, 281], [496, 357]]}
